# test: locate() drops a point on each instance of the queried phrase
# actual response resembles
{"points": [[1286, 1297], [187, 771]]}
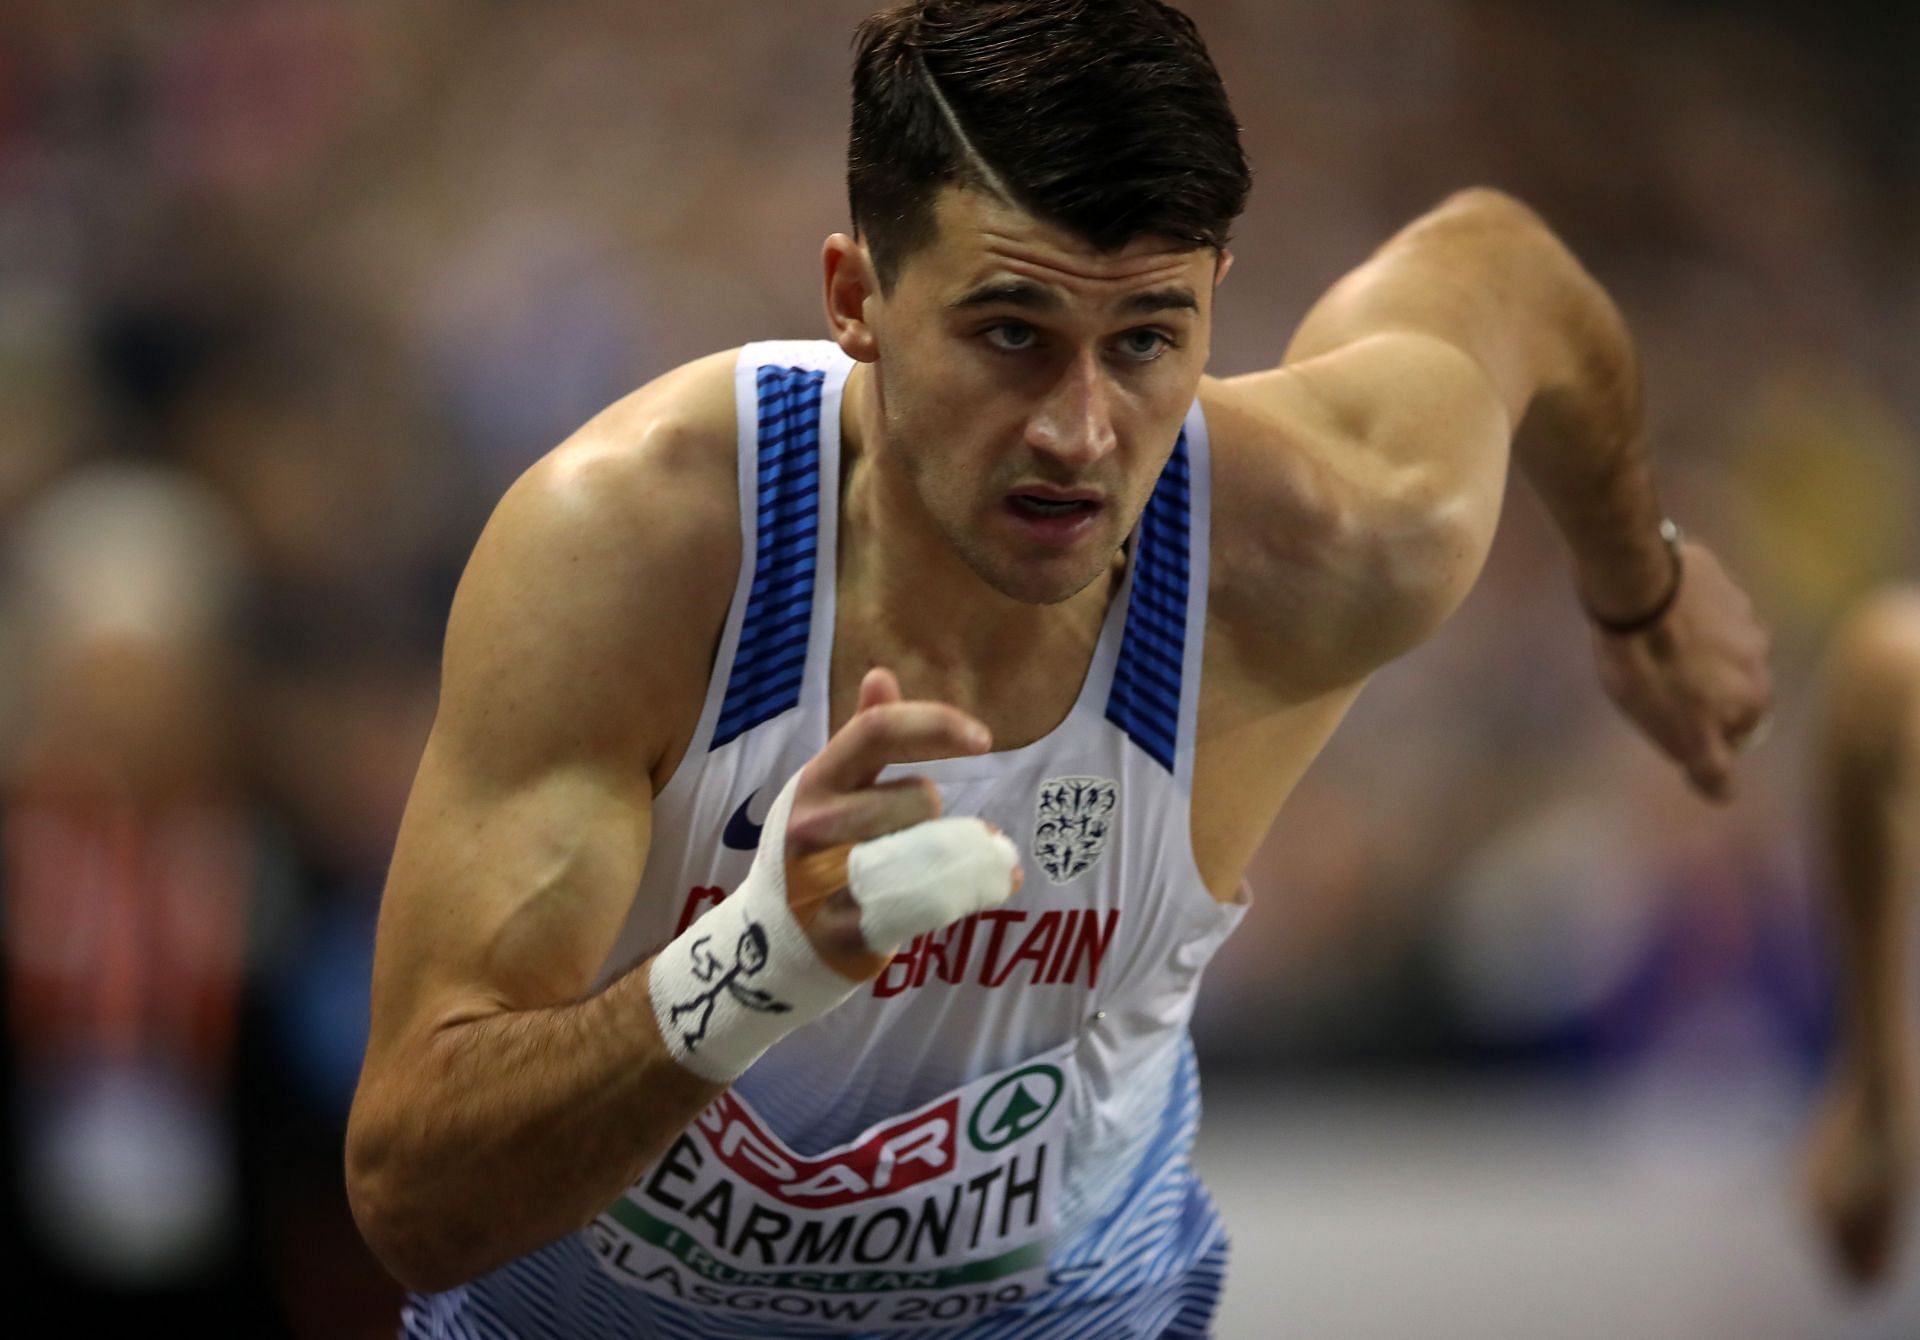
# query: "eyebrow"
{"points": [[1178, 298], [1008, 293], [1026, 294]]}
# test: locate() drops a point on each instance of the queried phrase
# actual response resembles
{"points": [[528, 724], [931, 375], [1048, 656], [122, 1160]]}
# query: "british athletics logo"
{"points": [[1072, 824]]}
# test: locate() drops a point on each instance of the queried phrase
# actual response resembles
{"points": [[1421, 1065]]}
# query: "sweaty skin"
{"points": [[1356, 489]]}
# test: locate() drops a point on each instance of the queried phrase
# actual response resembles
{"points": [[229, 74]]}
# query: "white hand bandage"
{"points": [[926, 877], [745, 975]]}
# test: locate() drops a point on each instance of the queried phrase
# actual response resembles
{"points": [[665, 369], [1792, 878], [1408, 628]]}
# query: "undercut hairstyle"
{"points": [[1104, 117]]}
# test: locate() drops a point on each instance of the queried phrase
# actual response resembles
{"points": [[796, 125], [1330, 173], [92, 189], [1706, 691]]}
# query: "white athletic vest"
{"points": [[993, 1137]]}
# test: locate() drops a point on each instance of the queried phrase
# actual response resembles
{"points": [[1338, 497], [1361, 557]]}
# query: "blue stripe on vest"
{"points": [[770, 661], [1145, 698]]}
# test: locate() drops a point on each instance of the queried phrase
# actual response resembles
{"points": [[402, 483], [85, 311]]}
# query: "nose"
{"points": [[1074, 424]]}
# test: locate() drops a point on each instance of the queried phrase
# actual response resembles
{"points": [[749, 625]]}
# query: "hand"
{"points": [[1860, 1163], [1697, 682], [838, 801]]}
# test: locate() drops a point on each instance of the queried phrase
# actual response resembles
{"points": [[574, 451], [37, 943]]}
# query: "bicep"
{"points": [[1480, 273], [568, 665], [1414, 443]]}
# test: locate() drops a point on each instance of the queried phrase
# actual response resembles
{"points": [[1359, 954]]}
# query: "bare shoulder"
{"points": [[594, 596], [1355, 496]]}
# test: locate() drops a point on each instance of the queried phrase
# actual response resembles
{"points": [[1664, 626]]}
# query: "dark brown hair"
{"points": [[1105, 117]]}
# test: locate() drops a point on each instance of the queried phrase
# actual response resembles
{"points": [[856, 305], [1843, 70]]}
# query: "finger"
{"points": [[1710, 767], [858, 815], [878, 686], [1743, 718], [1019, 874], [891, 733], [1744, 724], [1751, 732]]}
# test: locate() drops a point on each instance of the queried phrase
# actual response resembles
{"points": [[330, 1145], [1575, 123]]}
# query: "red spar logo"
{"points": [[899, 1155]]}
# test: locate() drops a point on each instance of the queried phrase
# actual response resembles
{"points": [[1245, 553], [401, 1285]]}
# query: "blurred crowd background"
{"points": [[291, 289]]}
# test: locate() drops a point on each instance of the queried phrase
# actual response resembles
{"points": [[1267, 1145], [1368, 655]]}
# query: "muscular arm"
{"points": [[1472, 333], [1484, 276], [500, 1105], [1865, 1144], [1869, 796]]}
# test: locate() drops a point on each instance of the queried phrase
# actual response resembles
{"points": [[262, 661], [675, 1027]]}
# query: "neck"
{"points": [[905, 593]]}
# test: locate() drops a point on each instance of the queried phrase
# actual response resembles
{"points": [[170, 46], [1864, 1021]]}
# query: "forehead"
{"points": [[980, 239]]}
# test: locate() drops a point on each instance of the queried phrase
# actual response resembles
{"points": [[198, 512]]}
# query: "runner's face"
{"points": [[1034, 386]]}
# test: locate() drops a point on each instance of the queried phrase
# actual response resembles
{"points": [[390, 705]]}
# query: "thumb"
{"points": [[877, 688]]}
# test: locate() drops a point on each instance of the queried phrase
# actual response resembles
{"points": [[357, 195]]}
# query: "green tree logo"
{"points": [[1014, 1106]]}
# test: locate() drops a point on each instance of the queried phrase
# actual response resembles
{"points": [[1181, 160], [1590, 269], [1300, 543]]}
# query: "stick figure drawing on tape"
{"points": [[749, 957]]}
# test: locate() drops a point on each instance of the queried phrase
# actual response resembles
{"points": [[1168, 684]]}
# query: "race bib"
{"points": [[936, 1217]]}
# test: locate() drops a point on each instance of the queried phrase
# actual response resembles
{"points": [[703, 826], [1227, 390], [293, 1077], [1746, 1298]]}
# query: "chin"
{"points": [[1043, 581], [1033, 575]]}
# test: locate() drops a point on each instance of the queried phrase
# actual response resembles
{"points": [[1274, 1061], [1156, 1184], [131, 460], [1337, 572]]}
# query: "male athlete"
{"points": [[966, 658]]}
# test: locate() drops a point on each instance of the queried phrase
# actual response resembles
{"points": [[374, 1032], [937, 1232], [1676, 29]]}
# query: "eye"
{"points": [[1145, 345], [1012, 337]]}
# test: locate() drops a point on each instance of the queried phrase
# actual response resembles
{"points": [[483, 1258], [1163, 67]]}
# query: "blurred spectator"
{"points": [[129, 875]]}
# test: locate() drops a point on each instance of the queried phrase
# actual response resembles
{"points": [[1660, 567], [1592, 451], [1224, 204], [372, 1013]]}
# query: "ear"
{"points": [[850, 284], [1221, 266]]}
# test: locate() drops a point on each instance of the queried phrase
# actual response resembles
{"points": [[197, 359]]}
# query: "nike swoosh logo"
{"points": [[742, 833]]}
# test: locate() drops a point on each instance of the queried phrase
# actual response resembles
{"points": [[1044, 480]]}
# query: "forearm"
{"points": [[502, 1131], [509, 1131], [1581, 444], [1871, 920]]}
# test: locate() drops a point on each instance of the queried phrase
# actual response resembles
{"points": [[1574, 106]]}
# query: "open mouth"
{"points": [[1030, 505], [1051, 520]]}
